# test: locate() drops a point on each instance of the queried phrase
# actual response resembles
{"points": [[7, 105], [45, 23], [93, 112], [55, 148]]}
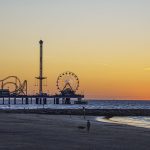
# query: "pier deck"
{"points": [[39, 99]]}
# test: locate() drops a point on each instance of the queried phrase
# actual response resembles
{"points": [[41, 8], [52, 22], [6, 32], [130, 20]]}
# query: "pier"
{"points": [[67, 84], [38, 99]]}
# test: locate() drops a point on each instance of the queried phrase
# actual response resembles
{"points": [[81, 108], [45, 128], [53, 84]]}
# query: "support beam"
{"points": [[15, 101], [57, 100], [44, 101], [27, 101], [22, 100], [9, 100], [37, 100], [3, 100]]}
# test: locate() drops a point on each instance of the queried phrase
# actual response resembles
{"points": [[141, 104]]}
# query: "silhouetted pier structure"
{"points": [[67, 84], [38, 99]]}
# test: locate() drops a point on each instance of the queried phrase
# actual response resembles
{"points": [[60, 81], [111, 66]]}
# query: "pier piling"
{"points": [[37, 100], [44, 101], [57, 100], [15, 101], [40, 100], [3, 100], [27, 101], [9, 100]]}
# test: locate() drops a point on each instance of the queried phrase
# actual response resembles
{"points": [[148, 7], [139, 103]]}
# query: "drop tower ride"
{"points": [[41, 78]]}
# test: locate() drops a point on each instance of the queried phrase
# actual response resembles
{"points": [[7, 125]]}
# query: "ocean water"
{"points": [[138, 121], [94, 104], [119, 104]]}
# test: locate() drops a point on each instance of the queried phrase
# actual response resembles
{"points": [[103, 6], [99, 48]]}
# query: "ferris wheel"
{"points": [[67, 83]]}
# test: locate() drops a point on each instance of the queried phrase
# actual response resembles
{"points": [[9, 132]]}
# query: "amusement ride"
{"points": [[67, 84]]}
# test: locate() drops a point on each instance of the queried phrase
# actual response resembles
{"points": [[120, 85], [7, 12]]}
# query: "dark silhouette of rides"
{"points": [[15, 83], [67, 83]]}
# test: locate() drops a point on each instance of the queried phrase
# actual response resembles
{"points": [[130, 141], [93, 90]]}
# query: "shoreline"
{"points": [[126, 120], [40, 131]]}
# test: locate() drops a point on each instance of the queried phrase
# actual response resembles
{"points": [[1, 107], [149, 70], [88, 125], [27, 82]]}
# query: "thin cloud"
{"points": [[147, 69]]}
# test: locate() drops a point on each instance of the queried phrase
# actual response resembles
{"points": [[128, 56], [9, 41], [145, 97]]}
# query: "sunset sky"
{"points": [[106, 43]]}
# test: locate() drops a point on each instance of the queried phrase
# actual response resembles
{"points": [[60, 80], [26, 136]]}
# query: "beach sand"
{"points": [[52, 132]]}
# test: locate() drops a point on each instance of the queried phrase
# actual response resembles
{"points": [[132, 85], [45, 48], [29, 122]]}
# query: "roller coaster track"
{"points": [[19, 88]]}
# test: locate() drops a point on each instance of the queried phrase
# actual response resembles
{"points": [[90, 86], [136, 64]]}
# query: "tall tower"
{"points": [[41, 78]]}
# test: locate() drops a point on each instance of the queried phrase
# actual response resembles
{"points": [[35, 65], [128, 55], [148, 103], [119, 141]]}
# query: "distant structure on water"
{"points": [[67, 83]]}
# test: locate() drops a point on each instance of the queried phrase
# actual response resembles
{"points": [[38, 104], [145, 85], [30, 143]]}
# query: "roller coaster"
{"points": [[14, 85]]}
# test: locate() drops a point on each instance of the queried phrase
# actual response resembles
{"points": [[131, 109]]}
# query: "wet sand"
{"points": [[51, 132]]}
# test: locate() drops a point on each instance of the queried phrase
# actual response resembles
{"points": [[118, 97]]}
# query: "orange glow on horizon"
{"points": [[105, 43]]}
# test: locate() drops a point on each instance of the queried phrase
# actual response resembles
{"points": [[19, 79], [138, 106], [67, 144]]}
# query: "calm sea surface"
{"points": [[92, 104], [95, 104], [119, 104]]}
